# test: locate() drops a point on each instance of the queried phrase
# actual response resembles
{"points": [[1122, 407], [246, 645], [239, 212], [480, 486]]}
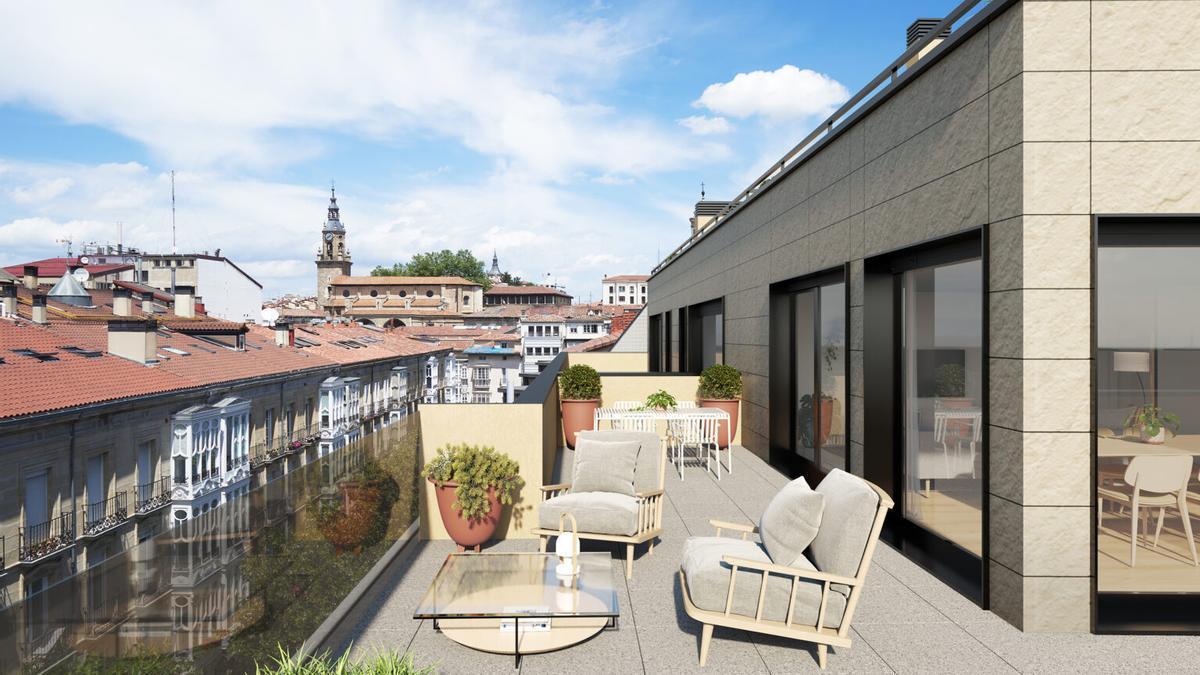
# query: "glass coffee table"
{"points": [[515, 603]]}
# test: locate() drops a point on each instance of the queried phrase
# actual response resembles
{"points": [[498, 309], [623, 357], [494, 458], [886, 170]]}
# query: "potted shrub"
{"points": [[1152, 423], [660, 400], [806, 418], [579, 389], [471, 484], [721, 387]]}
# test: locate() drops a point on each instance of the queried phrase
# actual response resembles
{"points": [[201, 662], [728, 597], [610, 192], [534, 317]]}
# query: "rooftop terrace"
{"points": [[908, 620]]}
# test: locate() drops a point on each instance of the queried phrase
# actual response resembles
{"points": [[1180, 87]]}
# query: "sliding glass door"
{"points": [[1147, 445], [942, 375], [808, 349], [925, 403]]}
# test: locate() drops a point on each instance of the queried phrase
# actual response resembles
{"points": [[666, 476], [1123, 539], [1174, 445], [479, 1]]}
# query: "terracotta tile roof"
{"points": [[627, 278], [526, 290], [401, 281], [55, 267], [435, 301], [29, 385]]}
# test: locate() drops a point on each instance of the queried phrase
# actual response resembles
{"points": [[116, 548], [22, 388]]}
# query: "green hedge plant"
{"points": [[475, 469], [579, 383], [720, 382]]}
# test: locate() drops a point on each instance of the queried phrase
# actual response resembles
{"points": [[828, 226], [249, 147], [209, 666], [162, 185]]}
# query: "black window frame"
{"points": [[883, 443], [782, 428]]}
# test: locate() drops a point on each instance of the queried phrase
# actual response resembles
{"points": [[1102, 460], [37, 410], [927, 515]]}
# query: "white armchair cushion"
{"points": [[648, 475], [595, 512], [708, 584], [604, 467], [791, 522], [850, 506]]}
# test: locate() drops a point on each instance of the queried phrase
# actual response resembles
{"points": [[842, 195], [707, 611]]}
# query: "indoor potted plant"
{"points": [[1152, 423], [579, 389], [721, 387], [471, 484], [807, 415]]}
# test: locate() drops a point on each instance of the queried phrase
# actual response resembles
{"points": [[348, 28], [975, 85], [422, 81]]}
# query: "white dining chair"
{"points": [[626, 405], [686, 405], [696, 432], [1155, 481]]}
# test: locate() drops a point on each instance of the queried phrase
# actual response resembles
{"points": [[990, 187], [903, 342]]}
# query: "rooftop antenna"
{"points": [[701, 190], [67, 242], [174, 250]]}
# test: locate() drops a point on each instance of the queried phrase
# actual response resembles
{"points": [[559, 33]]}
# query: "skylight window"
{"points": [[79, 351], [40, 356], [177, 351]]}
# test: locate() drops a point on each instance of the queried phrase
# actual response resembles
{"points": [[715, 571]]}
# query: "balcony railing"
{"points": [[264, 453], [152, 496], [42, 540], [102, 516]]}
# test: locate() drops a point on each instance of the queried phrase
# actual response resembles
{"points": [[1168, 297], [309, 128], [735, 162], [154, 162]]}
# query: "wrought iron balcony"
{"points": [[42, 540], [152, 496], [102, 516]]}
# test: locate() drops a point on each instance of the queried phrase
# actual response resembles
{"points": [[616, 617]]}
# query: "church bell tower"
{"points": [[333, 258]]}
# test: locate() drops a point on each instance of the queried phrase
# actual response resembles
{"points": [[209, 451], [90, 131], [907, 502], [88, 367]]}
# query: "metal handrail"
{"points": [[105, 514], [152, 495], [802, 150], [43, 539]]}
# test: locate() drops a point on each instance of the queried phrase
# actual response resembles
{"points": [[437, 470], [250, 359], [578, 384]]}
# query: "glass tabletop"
{"points": [[519, 585]]}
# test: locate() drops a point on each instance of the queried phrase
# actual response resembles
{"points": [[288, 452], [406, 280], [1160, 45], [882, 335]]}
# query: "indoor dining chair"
{"points": [[1153, 481]]}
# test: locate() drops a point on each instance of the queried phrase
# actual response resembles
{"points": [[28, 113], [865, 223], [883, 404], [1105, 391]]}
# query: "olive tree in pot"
{"points": [[579, 389], [472, 484], [721, 387]]}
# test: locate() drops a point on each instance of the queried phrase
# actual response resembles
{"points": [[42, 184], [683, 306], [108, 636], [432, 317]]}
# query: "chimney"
{"points": [[705, 213], [285, 335], [185, 301], [147, 303], [31, 277], [8, 295], [917, 31], [122, 301], [135, 339], [39, 308]]}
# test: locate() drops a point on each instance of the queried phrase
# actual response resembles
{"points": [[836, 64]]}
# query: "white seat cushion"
{"points": [[850, 507], [708, 584], [595, 512]]}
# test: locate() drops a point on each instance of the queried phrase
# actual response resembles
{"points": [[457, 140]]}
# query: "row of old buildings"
{"points": [[126, 411]]}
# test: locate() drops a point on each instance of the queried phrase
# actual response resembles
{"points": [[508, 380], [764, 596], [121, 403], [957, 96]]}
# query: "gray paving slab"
{"points": [[907, 620]]}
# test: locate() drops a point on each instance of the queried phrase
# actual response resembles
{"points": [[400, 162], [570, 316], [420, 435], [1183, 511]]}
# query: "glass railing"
{"points": [[226, 589]]}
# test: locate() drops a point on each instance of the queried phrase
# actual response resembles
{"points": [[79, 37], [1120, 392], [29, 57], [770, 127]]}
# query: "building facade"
{"points": [[624, 289], [960, 291], [226, 290], [525, 295], [116, 427]]}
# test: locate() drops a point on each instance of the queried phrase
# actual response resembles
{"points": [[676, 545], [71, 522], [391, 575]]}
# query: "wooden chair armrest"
{"points": [[738, 527], [556, 488], [815, 575], [650, 493]]}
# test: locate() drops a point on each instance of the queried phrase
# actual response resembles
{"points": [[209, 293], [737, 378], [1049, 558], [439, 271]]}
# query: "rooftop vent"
{"points": [[917, 31], [135, 340], [69, 291]]}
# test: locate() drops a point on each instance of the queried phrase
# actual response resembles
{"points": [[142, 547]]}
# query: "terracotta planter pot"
{"points": [[826, 420], [466, 533], [725, 431], [577, 416]]}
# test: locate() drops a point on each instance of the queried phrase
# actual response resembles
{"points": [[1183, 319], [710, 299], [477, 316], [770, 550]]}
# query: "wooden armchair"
{"points": [[612, 516], [733, 582]]}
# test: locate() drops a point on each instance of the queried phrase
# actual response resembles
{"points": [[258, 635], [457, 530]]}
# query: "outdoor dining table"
{"points": [[614, 415]]}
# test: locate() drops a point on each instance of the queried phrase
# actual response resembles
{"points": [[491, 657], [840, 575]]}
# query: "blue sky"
{"points": [[572, 138]]}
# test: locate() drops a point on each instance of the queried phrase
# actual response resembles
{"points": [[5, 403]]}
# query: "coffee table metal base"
{"points": [[486, 636]]}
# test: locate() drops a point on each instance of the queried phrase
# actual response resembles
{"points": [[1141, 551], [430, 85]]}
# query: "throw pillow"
{"points": [[791, 522], [604, 467]]}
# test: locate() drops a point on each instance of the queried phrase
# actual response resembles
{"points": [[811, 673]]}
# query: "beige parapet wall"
{"points": [[531, 433], [520, 430], [612, 362]]}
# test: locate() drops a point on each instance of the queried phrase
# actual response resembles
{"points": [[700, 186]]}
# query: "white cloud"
{"points": [[203, 84], [40, 191], [788, 93], [702, 125], [271, 229]]}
